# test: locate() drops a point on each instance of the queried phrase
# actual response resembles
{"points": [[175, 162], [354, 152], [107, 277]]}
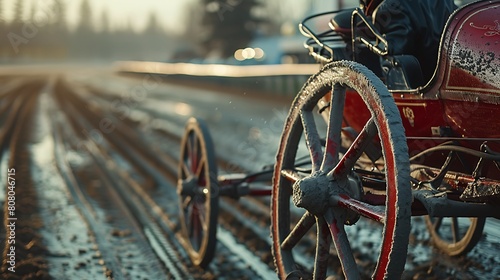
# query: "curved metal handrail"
{"points": [[318, 43]]}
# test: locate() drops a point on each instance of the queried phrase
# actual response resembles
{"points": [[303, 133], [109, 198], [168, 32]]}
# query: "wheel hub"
{"points": [[316, 194], [313, 192], [187, 187]]}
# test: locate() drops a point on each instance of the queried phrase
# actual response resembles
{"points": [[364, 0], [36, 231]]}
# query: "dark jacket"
{"points": [[414, 27]]}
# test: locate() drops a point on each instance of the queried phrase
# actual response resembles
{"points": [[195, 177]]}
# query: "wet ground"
{"points": [[95, 176]]}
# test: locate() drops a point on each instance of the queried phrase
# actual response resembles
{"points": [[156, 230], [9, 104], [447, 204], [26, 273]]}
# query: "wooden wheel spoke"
{"points": [[200, 168], [191, 156], [290, 175], [193, 153], [356, 149], [341, 242], [322, 249], [189, 221], [437, 224], [299, 230], [455, 234], [186, 172], [196, 236], [196, 155], [333, 138], [313, 139], [201, 217], [187, 201], [360, 207]]}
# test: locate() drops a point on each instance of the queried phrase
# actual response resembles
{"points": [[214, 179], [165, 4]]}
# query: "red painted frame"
{"points": [[459, 103]]}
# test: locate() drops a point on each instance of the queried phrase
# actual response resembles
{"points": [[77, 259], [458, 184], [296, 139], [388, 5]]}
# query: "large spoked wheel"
{"points": [[317, 203], [455, 236], [198, 192]]}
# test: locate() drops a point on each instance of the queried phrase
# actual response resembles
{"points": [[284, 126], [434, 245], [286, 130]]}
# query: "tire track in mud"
{"points": [[147, 233], [248, 217], [235, 215], [421, 254], [21, 245], [256, 238], [163, 178], [128, 177], [79, 180]]}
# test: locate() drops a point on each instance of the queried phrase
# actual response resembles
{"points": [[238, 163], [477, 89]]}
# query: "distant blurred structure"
{"points": [[250, 32], [217, 28], [279, 49]]}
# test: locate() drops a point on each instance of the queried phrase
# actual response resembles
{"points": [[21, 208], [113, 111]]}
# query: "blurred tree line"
{"points": [[45, 35], [212, 28], [217, 28], [223, 26]]}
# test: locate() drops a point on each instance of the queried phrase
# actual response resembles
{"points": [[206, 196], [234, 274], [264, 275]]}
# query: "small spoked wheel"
{"points": [[455, 236], [198, 192], [319, 201]]}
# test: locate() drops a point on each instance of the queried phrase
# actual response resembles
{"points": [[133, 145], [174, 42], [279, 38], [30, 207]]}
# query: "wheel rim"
{"points": [[327, 176], [455, 236], [197, 190]]}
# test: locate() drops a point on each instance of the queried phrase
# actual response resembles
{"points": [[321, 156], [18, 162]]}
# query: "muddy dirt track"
{"points": [[94, 156]]}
